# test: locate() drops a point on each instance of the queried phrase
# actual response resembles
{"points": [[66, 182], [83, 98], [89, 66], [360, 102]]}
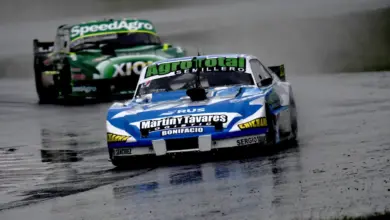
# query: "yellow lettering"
{"points": [[256, 123]]}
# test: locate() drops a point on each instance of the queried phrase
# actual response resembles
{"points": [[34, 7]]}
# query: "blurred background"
{"points": [[307, 35]]}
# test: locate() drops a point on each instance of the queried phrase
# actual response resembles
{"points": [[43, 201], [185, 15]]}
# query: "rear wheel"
{"points": [[118, 163], [294, 120], [65, 81], [46, 94], [271, 122]]}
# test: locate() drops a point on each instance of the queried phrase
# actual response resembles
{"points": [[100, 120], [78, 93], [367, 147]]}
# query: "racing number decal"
{"points": [[126, 69]]}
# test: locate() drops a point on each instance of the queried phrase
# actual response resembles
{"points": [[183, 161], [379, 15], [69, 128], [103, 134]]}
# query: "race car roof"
{"points": [[110, 26]]}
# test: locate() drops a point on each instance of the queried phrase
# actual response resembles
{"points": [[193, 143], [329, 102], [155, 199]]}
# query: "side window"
{"points": [[61, 43], [57, 44], [258, 70], [66, 41], [269, 72]]}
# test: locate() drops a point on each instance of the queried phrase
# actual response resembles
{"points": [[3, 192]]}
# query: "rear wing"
{"points": [[279, 71], [42, 48]]}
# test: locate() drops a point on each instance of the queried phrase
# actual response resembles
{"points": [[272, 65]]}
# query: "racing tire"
{"points": [[65, 82], [294, 120], [271, 121], [118, 163], [46, 95], [131, 162]]}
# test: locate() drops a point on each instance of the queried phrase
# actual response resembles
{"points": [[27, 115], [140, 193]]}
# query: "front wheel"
{"points": [[118, 163], [294, 120]]}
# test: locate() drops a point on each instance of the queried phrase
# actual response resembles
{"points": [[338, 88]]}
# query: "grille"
{"points": [[182, 144]]}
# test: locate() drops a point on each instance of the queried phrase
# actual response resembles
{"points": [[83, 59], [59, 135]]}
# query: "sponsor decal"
{"points": [[122, 151], [84, 30], [184, 111], [126, 69], [202, 64], [116, 138], [250, 140], [255, 123], [50, 72], [181, 131], [86, 89], [182, 121]]}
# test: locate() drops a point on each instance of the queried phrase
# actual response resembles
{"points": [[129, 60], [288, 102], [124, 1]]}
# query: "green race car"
{"points": [[97, 59]]}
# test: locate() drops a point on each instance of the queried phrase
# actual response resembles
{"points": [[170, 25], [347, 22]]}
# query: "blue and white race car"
{"points": [[202, 103]]}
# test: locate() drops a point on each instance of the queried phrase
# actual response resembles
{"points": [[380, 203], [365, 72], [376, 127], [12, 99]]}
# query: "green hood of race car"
{"points": [[92, 64]]}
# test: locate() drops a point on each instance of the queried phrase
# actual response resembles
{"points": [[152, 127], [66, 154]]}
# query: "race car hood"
{"points": [[169, 110], [92, 64]]}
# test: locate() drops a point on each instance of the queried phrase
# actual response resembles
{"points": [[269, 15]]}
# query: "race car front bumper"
{"points": [[203, 143]]}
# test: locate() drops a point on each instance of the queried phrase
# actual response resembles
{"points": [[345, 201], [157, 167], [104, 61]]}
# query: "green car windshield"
{"points": [[116, 41], [188, 80]]}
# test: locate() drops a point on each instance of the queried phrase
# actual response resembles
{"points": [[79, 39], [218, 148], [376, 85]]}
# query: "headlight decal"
{"points": [[116, 138]]}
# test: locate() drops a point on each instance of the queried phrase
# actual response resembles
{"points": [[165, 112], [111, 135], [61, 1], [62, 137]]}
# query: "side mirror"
{"points": [[266, 82]]}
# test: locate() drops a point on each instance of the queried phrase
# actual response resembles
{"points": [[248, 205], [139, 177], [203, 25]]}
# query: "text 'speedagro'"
{"points": [[107, 27]]}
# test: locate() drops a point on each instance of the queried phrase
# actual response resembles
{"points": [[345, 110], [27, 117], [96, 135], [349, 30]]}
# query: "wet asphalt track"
{"points": [[53, 160]]}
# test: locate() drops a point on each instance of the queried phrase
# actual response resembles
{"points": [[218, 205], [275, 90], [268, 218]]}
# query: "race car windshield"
{"points": [[187, 81], [115, 41]]}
